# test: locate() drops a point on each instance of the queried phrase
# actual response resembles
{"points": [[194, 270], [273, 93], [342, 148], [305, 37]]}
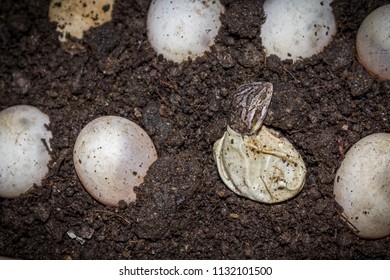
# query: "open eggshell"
{"points": [[111, 156], [373, 43], [297, 29], [362, 186], [24, 149], [264, 167], [179, 29], [76, 16]]}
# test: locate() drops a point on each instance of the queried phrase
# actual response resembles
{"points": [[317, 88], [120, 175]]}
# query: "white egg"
{"points": [[362, 186], [179, 29], [76, 16], [24, 149], [297, 28], [373, 43], [112, 155]]}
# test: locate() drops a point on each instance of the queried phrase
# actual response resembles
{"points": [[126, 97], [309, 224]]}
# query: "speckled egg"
{"points": [[24, 149], [179, 29], [362, 186], [373, 43], [73, 17], [112, 156], [297, 29]]}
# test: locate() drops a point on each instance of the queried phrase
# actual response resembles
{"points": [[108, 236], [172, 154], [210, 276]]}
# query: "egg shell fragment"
{"points": [[373, 43], [24, 149], [76, 16], [263, 167], [297, 29], [112, 155], [362, 186], [179, 29]]}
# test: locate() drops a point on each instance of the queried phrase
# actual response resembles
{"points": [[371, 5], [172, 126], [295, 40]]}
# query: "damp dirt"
{"points": [[323, 105]]}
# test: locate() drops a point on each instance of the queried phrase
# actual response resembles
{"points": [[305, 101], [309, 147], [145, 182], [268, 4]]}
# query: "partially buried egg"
{"points": [[179, 29], [373, 43], [297, 28], [24, 149], [362, 186], [112, 156], [73, 17]]}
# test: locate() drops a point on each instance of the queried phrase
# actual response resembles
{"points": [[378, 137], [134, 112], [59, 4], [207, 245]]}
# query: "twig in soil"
{"points": [[113, 214], [163, 98], [342, 146], [136, 241], [296, 80], [56, 165], [171, 85]]}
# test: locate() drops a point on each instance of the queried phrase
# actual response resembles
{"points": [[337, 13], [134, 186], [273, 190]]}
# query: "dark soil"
{"points": [[323, 105]]}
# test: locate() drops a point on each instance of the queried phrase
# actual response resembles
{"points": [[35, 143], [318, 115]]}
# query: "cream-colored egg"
{"points": [[179, 29], [362, 186], [112, 156], [297, 29], [24, 149], [373, 43], [73, 17]]}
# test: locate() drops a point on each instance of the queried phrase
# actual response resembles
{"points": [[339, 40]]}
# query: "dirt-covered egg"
{"points": [[297, 29], [362, 186], [254, 161], [179, 29], [112, 156], [73, 17], [24, 149], [373, 42]]}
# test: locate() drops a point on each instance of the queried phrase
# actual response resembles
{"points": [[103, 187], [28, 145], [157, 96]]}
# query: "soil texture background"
{"points": [[323, 105]]}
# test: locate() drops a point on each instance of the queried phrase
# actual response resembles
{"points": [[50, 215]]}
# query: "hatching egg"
{"points": [[254, 161]]}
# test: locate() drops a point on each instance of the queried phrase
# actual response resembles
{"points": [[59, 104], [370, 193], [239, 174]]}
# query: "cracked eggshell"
{"points": [[297, 28], [373, 43], [112, 156], [264, 167], [362, 186], [24, 149], [76, 16], [179, 29]]}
